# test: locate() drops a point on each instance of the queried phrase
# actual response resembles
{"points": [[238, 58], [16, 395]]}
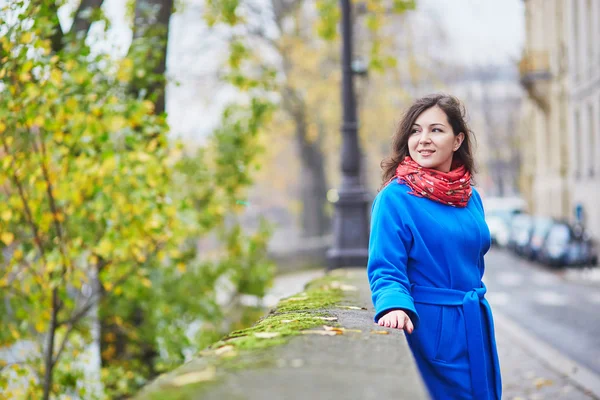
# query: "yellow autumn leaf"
{"points": [[148, 106], [124, 72], [18, 255], [7, 238], [6, 215], [181, 267], [39, 326], [139, 256], [15, 334], [26, 37], [105, 247], [56, 77], [147, 282], [2, 126]]}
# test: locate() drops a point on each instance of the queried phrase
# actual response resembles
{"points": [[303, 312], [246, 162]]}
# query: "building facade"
{"points": [[560, 124]]}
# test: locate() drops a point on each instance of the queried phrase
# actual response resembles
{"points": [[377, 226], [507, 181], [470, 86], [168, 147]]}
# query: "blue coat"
{"points": [[427, 259]]}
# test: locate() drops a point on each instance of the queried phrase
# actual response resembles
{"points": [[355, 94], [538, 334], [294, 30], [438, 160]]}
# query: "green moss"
{"points": [[179, 393], [282, 324], [292, 315]]}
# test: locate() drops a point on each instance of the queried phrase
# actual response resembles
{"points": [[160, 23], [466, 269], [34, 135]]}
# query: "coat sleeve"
{"points": [[389, 243]]}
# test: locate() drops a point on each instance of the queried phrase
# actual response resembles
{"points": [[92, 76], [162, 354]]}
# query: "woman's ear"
{"points": [[458, 139]]}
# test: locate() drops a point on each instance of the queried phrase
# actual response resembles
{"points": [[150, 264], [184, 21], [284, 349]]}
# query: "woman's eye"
{"points": [[414, 131], [437, 130]]}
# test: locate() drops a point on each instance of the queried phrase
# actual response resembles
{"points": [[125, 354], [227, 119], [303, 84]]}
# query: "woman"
{"points": [[428, 239]]}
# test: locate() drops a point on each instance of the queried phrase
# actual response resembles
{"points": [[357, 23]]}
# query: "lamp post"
{"points": [[350, 222]]}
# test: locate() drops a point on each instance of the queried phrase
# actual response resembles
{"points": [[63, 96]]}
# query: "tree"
{"points": [[295, 23], [149, 50], [92, 188]]}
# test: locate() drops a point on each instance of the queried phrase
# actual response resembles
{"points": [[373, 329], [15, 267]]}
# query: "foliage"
{"points": [[293, 51], [101, 213], [243, 349]]}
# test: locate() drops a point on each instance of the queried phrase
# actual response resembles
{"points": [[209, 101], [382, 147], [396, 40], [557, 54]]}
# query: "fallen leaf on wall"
{"points": [[207, 374], [266, 335], [323, 333]]}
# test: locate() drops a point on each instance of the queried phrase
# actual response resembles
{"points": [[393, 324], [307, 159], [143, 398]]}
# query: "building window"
{"points": [[575, 41], [576, 141], [590, 9], [591, 132]]}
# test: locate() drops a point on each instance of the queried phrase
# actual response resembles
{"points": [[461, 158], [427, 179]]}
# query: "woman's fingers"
{"points": [[409, 325], [399, 320]]}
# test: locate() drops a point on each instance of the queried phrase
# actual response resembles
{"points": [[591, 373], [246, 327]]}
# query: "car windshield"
{"points": [[559, 234], [505, 215], [542, 226], [521, 222]]}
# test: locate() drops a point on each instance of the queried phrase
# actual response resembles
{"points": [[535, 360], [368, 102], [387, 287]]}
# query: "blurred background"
{"points": [[164, 160]]}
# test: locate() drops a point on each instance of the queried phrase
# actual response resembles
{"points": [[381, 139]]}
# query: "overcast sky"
{"points": [[479, 32]]}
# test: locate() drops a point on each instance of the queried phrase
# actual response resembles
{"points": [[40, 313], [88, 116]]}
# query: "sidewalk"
{"points": [[363, 364]]}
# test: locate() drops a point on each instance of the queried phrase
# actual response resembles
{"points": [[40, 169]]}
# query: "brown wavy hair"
{"points": [[457, 116]]}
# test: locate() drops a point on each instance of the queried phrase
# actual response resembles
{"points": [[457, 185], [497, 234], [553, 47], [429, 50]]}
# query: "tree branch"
{"points": [[28, 213], [82, 20], [63, 344], [49, 360], [51, 200]]}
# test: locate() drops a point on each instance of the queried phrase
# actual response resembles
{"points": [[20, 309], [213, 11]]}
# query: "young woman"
{"points": [[428, 239]]}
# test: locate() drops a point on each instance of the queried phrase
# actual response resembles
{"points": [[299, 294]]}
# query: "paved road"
{"points": [[562, 313]]}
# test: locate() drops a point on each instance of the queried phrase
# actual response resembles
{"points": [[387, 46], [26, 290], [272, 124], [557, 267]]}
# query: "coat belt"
{"points": [[471, 302]]}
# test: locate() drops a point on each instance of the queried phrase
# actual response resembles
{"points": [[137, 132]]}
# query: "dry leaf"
{"points": [[541, 382], [297, 298], [287, 321], [340, 330], [323, 333], [296, 363], [224, 349], [333, 329], [353, 308], [327, 318], [207, 374], [380, 332], [266, 335], [343, 287]]}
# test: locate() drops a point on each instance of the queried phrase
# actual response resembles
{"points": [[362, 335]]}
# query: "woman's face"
{"points": [[432, 142]]}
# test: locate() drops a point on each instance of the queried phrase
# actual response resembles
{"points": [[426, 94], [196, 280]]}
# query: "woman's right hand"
{"points": [[397, 319]]}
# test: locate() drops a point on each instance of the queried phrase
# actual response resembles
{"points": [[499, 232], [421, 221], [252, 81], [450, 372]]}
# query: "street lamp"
{"points": [[350, 222]]}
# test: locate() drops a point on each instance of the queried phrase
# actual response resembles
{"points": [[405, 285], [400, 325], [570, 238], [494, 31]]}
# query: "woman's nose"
{"points": [[425, 138]]}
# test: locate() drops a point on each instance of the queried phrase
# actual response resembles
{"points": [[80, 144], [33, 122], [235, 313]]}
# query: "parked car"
{"points": [[566, 245], [499, 223], [541, 227], [499, 212], [520, 233]]}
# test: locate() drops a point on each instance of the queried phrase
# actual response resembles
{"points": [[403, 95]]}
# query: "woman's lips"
{"points": [[426, 153]]}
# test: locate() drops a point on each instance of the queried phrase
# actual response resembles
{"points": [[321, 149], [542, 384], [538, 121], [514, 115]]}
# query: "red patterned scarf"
{"points": [[452, 188]]}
